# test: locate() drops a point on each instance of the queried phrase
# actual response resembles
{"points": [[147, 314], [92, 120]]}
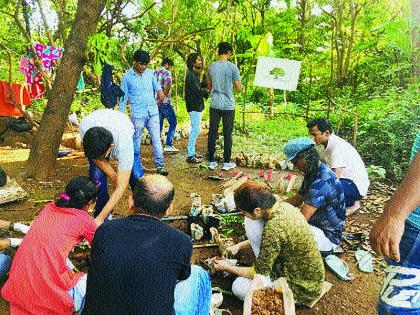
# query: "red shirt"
{"points": [[39, 279]]}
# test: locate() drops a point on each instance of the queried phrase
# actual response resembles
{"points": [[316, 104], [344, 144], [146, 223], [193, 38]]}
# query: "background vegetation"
{"points": [[358, 61]]}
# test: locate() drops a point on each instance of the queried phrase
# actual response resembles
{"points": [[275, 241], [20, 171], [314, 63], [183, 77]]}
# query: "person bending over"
{"points": [[288, 248], [321, 197], [140, 265], [42, 279]]}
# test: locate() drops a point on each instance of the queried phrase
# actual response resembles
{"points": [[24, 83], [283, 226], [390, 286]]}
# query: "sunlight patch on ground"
{"points": [[13, 155]]}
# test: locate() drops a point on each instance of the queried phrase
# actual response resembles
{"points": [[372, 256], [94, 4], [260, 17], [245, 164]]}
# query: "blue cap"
{"points": [[293, 147]]}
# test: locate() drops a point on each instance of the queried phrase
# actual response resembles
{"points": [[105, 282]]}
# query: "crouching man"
{"points": [[137, 261]]}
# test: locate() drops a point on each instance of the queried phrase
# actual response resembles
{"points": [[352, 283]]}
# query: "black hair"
{"points": [[78, 193], [224, 48], [3, 177], [191, 59], [168, 61], [312, 158], [96, 142], [147, 199], [322, 124], [141, 56], [252, 194]]}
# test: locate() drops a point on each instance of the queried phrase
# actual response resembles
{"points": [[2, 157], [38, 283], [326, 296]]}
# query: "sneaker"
{"points": [[212, 165], [170, 149], [193, 159], [199, 156], [162, 171], [228, 166]]}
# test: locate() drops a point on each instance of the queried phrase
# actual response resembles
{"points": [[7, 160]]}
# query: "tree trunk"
{"points": [[47, 140]]}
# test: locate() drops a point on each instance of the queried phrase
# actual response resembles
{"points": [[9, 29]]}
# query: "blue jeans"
{"points": [[195, 118], [167, 111], [400, 293], [152, 125], [192, 296], [351, 193], [98, 176], [5, 262]]}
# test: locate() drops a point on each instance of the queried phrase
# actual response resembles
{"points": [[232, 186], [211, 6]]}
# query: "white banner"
{"points": [[277, 73]]}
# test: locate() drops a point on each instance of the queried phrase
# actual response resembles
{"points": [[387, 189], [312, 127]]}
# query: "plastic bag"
{"points": [[280, 285]]}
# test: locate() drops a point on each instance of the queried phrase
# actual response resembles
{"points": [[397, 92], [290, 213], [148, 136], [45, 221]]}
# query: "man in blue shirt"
{"points": [[321, 197], [140, 87]]}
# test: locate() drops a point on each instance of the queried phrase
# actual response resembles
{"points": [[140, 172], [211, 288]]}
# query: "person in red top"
{"points": [[41, 280]]}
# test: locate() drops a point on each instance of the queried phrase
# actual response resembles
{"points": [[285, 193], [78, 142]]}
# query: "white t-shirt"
{"points": [[341, 154], [122, 130]]}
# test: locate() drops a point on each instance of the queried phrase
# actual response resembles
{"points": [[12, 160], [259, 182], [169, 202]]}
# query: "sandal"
{"points": [[339, 267]]}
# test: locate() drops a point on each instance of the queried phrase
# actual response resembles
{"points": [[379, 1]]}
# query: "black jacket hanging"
{"points": [[110, 91]]}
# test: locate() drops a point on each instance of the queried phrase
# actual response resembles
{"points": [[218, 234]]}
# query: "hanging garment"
{"points": [[20, 94], [81, 83], [110, 91]]}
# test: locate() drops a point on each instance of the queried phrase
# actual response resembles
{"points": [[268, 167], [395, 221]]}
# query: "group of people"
{"points": [[140, 265], [149, 95]]}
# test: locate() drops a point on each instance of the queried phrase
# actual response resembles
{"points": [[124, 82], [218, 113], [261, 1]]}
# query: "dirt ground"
{"points": [[353, 297]]}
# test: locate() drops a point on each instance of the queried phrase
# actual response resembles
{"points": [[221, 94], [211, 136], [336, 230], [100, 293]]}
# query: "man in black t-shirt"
{"points": [[137, 261]]}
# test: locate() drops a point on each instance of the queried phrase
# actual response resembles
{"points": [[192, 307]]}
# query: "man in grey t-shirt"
{"points": [[223, 76]]}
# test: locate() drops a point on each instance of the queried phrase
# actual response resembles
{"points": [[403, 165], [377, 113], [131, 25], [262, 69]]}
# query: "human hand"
{"points": [[385, 237], [234, 249]]}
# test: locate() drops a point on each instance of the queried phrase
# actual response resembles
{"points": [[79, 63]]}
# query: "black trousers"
{"points": [[228, 118]]}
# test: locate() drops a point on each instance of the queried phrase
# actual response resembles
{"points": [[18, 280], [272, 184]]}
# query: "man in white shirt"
{"points": [[344, 160]]}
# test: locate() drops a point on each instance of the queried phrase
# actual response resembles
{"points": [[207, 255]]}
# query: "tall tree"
{"points": [[47, 140]]}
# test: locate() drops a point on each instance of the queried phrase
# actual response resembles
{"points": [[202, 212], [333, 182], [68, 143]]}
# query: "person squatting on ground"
{"points": [[6, 243], [344, 160], [140, 87], [321, 197], [109, 135], [41, 279], [166, 110], [223, 76], [195, 93], [137, 261], [287, 247], [396, 235]]}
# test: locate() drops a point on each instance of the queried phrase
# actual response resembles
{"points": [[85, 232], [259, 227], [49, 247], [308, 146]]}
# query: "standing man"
{"points": [[141, 265], [140, 87], [109, 135], [166, 110], [396, 235], [195, 92], [223, 76], [344, 160]]}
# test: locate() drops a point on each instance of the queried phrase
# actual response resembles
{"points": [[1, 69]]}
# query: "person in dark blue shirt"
{"points": [[136, 262], [321, 197]]}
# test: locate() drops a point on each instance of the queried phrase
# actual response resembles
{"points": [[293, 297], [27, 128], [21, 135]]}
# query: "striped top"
{"points": [[414, 217]]}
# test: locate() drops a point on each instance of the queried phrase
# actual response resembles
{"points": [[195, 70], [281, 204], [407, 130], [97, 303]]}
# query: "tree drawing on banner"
{"points": [[277, 73]]}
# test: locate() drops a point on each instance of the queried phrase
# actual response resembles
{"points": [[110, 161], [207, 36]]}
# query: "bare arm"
{"points": [[234, 249], [4, 243], [295, 200], [167, 89], [160, 95], [338, 171], [238, 85], [386, 233], [307, 211], [209, 85], [246, 272], [123, 178], [107, 168]]}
